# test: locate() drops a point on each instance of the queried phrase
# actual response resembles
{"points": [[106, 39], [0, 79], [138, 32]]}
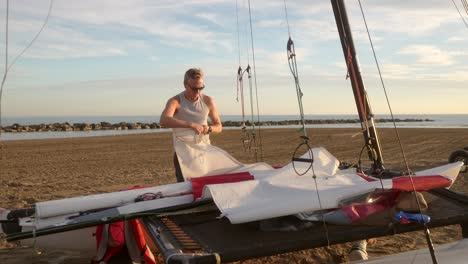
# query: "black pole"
{"points": [[362, 102]]}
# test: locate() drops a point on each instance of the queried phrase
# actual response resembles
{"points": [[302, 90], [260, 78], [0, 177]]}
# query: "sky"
{"points": [[126, 58]]}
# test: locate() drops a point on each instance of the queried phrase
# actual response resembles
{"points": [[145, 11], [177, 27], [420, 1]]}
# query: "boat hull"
{"points": [[82, 240]]}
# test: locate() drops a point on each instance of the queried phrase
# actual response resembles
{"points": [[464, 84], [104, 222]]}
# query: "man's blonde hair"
{"points": [[193, 73]]}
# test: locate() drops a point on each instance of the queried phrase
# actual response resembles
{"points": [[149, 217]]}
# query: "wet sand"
{"points": [[38, 170]]}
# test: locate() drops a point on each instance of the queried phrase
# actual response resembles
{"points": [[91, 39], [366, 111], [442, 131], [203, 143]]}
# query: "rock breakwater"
{"points": [[16, 128]]}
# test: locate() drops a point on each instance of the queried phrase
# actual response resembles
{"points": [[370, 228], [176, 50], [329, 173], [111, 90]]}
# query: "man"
{"points": [[191, 108], [187, 113]]}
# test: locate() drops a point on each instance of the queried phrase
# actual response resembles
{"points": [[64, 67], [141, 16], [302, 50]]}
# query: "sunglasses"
{"points": [[197, 88]]}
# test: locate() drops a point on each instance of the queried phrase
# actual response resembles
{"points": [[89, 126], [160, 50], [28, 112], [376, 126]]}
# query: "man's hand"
{"points": [[206, 130], [199, 129]]}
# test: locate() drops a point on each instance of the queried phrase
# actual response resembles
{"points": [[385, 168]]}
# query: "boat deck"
{"points": [[203, 238]]}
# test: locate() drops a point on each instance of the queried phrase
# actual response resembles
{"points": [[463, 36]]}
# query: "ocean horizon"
{"points": [[439, 121]]}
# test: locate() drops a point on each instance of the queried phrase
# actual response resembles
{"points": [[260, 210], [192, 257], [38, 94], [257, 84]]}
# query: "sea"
{"points": [[439, 121]]}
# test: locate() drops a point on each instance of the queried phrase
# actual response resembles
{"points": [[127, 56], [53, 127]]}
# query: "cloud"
{"points": [[413, 22], [457, 39], [211, 17], [86, 27], [268, 23], [318, 29], [397, 71], [429, 55], [456, 76]]}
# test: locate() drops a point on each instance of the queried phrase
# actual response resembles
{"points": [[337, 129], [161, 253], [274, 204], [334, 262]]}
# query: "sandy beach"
{"points": [[38, 170]]}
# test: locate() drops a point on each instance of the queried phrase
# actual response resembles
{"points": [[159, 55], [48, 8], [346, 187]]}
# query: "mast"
{"points": [[366, 116]]}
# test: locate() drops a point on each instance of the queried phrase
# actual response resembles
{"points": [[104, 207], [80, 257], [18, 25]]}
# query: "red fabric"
{"points": [[421, 183], [359, 211], [116, 234], [99, 229], [365, 177], [141, 241], [199, 183], [116, 241]]}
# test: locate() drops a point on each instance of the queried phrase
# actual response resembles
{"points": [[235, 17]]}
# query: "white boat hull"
{"points": [[82, 240]]}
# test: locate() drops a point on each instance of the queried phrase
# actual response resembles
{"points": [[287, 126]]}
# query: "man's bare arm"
{"points": [[168, 120], [216, 126]]}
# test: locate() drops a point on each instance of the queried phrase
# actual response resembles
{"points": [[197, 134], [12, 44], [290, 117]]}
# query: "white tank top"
{"points": [[196, 112]]}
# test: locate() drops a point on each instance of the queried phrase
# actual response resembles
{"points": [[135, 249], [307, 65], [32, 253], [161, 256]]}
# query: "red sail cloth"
{"points": [[199, 183], [421, 183]]}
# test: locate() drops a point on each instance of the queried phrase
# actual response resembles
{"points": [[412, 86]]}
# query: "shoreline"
{"points": [[18, 136], [69, 127]]}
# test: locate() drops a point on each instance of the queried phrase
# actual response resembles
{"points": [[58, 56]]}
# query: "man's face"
{"points": [[194, 87]]}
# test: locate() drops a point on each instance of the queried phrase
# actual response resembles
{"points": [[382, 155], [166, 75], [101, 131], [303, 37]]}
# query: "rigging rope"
{"points": [[238, 34], [287, 19], [240, 83], [248, 136], [385, 89], [8, 67], [465, 5], [251, 136], [325, 226], [256, 86], [293, 67], [240, 89], [291, 53], [5, 73], [426, 228], [36, 36]]}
